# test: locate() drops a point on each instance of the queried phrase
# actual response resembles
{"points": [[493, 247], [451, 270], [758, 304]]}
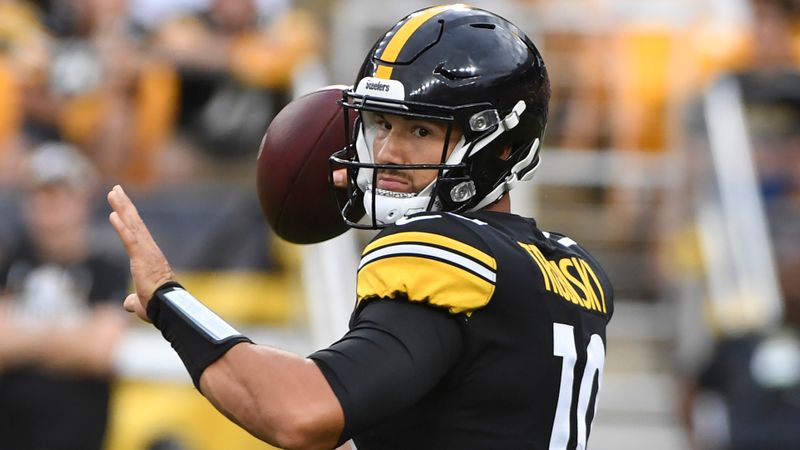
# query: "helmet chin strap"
{"points": [[391, 206]]}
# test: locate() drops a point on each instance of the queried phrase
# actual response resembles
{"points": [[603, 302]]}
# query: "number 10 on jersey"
{"points": [[564, 347]]}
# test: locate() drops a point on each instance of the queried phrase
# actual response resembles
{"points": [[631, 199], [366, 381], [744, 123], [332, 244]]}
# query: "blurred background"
{"points": [[672, 153]]}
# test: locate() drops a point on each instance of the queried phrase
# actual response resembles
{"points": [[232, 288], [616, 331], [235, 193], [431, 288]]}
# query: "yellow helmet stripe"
{"points": [[392, 50]]}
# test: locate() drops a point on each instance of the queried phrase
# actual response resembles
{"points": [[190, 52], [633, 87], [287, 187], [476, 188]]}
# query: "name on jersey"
{"points": [[570, 278]]}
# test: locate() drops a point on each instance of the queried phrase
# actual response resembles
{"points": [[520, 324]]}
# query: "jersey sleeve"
{"points": [[394, 354], [438, 259]]}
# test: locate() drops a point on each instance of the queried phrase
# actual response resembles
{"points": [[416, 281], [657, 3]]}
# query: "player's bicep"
{"points": [[394, 355]]}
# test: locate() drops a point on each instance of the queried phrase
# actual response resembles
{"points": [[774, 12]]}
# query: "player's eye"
{"points": [[378, 121], [383, 123], [422, 132]]}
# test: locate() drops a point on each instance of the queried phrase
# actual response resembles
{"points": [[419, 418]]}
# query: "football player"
{"points": [[473, 328]]}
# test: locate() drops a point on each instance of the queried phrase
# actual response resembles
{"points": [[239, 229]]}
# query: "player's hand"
{"points": [[149, 267], [340, 178]]}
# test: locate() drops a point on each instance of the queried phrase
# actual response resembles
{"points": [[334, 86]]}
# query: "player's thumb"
{"points": [[133, 305]]}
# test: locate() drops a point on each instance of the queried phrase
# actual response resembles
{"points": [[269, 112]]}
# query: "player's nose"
{"points": [[392, 149]]}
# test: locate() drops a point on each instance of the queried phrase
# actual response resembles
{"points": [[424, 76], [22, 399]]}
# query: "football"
{"points": [[293, 169]]}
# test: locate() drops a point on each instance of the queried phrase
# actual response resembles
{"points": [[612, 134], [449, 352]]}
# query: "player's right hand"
{"points": [[340, 178], [149, 267]]}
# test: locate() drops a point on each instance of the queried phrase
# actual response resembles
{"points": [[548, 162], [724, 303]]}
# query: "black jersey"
{"points": [[473, 331]]}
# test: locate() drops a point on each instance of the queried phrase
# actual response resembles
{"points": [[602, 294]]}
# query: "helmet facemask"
{"points": [[384, 207], [452, 189]]}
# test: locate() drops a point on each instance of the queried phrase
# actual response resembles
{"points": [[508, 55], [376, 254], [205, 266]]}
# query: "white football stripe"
{"points": [[424, 250]]}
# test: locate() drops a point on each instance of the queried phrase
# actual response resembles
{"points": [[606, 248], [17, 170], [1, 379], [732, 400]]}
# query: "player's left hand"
{"points": [[149, 267]]}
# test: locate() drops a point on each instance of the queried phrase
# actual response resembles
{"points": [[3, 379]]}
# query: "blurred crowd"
{"points": [[156, 92], [165, 98], [169, 97], [153, 92]]}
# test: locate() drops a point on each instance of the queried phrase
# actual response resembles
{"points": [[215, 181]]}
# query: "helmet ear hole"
{"points": [[504, 152], [487, 165]]}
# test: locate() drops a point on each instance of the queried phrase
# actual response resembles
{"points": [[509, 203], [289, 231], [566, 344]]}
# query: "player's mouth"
{"points": [[394, 182]]}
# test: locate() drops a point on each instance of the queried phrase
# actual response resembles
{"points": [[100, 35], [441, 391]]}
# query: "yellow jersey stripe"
{"points": [[398, 41], [428, 251], [419, 237], [425, 280]]}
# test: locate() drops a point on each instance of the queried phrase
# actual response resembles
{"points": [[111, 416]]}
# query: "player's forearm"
{"points": [[277, 396]]}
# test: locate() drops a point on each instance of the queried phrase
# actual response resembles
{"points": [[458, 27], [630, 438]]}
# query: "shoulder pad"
{"points": [[433, 258]]}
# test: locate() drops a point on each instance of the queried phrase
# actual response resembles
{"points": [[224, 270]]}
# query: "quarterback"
{"points": [[473, 328]]}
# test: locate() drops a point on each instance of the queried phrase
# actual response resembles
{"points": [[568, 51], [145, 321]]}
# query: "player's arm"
{"points": [[279, 397], [395, 353]]}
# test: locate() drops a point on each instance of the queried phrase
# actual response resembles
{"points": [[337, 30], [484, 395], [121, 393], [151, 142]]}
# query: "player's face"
{"points": [[400, 140]]}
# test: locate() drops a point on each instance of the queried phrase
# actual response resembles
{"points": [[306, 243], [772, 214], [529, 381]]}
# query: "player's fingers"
{"points": [[126, 236], [129, 217], [340, 178], [120, 202], [127, 211]]}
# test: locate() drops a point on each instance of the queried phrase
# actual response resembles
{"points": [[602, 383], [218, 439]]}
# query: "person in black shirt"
{"points": [[57, 327], [473, 328]]}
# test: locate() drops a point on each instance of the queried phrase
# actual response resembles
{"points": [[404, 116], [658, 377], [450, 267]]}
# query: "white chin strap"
{"points": [[391, 206]]}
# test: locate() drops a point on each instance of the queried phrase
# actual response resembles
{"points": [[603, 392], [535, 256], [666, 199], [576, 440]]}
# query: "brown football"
{"points": [[293, 170]]}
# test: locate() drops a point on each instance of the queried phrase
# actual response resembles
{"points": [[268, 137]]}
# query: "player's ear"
{"points": [[503, 152]]}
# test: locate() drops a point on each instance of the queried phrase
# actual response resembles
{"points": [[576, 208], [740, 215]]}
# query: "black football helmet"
{"points": [[468, 68]]}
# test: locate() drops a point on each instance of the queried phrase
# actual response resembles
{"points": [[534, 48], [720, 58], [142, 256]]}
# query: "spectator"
{"points": [[236, 66], [97, 87], [22, 47], [57, 329]]}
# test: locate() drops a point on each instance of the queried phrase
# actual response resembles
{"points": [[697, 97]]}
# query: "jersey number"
{"points": [[564, 347]]}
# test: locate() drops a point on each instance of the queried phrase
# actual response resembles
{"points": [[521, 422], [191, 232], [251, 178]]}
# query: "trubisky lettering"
{"points": [[569, 278]]}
